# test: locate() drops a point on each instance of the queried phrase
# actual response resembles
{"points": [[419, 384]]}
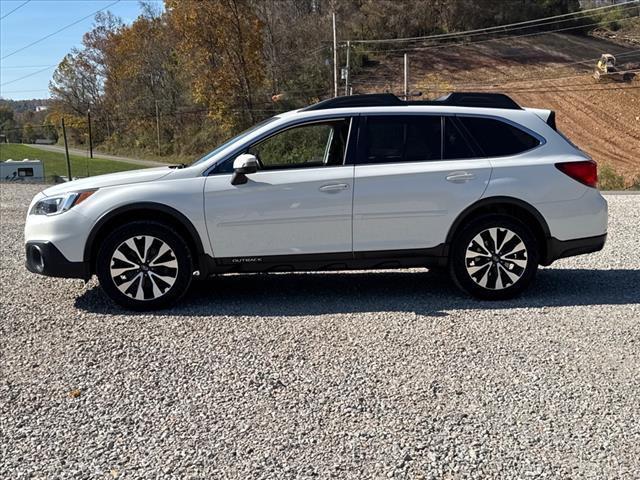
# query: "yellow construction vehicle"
{"points": [[606, 70]]}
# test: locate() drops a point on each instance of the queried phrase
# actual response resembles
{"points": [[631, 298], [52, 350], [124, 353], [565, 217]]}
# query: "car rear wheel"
{"points": [[494, 257], [144, 266]]}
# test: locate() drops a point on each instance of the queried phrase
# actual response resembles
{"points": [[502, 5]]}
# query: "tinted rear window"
{"points": [[497, 138], [403, 139]]}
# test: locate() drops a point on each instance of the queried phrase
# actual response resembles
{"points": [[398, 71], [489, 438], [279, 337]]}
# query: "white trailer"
{"points": [[21, 170]]}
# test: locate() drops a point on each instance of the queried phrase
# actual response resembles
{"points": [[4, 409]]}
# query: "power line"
{"points": [[549, 89], [59, 30], [551, 92], [587, 89], [19, 6], [26, 91], [28, 75], [22, 67], [504, 84], [551, 22], [508, 37], [495, 84], [500, 82], [497, 27], [125, 121], [554, 86]]}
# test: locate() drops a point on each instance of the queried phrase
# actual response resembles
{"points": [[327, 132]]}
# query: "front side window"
{"points": [[234, 139], [497, 138], [411, 138], [311, 145]]}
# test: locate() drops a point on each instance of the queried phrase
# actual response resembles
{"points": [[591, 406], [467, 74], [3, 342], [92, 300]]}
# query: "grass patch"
{"points": [[146, 155], [608, 179], [55, 163]]}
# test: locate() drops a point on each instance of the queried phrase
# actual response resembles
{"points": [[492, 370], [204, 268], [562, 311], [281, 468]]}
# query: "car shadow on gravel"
{"points": [[420, 292]]}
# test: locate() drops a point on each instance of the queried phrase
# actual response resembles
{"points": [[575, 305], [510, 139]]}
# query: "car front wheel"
{"points": [[494, 257], [144, 266]]}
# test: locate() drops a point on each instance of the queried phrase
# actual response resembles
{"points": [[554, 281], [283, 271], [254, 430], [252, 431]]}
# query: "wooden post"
{"points": [[90, 139], [158, 126], [348, 76], [335, 58], [406, 76], [66, 150]]}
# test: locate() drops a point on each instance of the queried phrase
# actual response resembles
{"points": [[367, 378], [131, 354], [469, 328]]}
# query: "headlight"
{"points": [[60, 203]]}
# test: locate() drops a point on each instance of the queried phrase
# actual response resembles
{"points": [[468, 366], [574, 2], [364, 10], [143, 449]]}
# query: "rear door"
{"points": [[414, 175]]}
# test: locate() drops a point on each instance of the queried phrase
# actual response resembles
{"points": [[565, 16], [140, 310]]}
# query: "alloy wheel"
{"points": [[144, 267], [496, 258]]}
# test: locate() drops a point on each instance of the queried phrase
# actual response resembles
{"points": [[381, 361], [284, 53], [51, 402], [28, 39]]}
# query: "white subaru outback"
{"points": [[471, 182]]}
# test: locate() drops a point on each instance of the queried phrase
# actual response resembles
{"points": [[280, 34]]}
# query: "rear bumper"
{"points": [[44, 258], [557, 249]]}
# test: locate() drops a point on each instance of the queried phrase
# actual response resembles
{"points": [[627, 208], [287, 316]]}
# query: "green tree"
{"points": [[29, 133]]}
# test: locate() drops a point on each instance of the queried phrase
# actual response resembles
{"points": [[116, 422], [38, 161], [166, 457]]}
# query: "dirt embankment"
{"points": [[547, 71]]}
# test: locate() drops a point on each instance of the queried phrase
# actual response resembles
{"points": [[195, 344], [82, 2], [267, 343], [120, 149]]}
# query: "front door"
{"points": [[298, 202]]}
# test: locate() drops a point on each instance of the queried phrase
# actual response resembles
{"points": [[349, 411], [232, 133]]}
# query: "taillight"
{"points": [[585, 172]]}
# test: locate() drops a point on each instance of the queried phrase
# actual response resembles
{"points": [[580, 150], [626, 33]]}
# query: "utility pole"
{"points": [[158, 126], [90, 139], [335, 58], [348, 76], [66, 150], [406, 76]]}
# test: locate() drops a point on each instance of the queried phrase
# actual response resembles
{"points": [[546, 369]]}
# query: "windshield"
{"points": [[234, 139]]}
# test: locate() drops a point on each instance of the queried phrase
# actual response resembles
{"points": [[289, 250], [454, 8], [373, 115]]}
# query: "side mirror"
{"points": [[244, 165]]}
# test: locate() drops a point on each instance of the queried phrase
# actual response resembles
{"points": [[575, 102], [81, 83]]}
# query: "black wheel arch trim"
{"points": [[494, 201], [159, 207]]}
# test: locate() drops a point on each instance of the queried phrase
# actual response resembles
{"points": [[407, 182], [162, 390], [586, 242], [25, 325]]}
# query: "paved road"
{"points": [[83, 152], [350, 375]]}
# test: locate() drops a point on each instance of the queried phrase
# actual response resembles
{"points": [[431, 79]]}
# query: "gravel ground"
{"points": [[343, 375]]}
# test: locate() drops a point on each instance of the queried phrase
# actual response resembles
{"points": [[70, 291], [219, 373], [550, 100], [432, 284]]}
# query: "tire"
{"points": [[491, 275], [144, 266]]}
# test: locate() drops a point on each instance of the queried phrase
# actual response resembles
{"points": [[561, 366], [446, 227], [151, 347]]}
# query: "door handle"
{"points": [[334, 187], [460, 177]]}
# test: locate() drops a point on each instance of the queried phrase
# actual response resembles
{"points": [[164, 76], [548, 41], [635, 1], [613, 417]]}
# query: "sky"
{"points": [[36, 19]]}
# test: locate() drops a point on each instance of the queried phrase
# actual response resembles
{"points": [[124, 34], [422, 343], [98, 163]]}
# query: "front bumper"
{"points": [[44, 258], [557, 249]]}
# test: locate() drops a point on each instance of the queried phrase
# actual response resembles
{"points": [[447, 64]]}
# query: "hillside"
{"points": [[602, 119]]}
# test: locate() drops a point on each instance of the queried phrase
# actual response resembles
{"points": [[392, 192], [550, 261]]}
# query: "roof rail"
{"points": [[455, 99], [369, 100], [475, 99]]}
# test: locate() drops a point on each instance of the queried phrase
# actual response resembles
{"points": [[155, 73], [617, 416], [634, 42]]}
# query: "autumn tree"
{"points": [[78, 82], [220, 44], [145, 73], [296, 36]]}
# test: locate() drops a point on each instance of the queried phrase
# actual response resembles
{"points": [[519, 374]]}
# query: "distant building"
{"points": [[41, 108]]}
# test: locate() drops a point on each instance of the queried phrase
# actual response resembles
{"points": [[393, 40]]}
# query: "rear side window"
{"points": [[497, 138], [408, 138], [455, 145]]}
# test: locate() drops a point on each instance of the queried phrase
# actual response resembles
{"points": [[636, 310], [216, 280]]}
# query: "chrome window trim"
{"points": [[542, 141]]}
